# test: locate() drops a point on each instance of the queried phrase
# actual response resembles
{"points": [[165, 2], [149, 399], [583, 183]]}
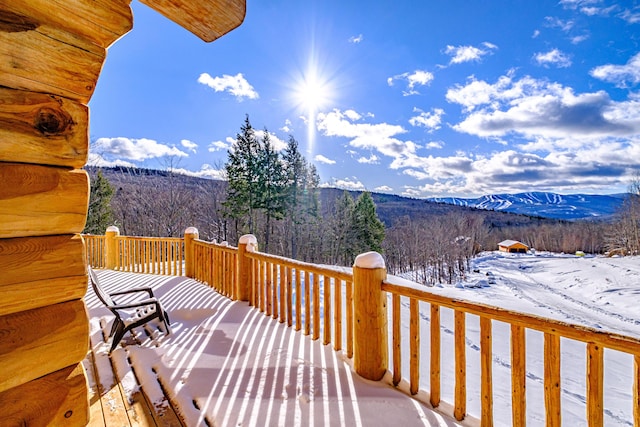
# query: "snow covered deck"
{"points": [[226, 363]]}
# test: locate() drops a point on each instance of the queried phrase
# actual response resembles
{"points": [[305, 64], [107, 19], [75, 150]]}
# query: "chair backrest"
{"points": [[104, 297]]}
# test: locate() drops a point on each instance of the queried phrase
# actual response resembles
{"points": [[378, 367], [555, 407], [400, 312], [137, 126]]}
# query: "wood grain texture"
{"points": [[42, 129], [518, 376], [41, 58], [100, 21], [43, 340], [207, 20], [42, 200], [57, 399], [39, 271]]}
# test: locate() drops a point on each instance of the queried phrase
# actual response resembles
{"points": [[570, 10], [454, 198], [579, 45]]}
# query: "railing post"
{"points": [[190, 234], [370, 334], [111, 247], [248, 242]]}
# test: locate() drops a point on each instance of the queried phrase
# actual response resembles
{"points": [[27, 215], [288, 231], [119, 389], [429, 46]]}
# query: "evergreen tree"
{"points": [[99, 215], [301, 194], [368, 230], [341, 242], [271, 185], [242, 175]]}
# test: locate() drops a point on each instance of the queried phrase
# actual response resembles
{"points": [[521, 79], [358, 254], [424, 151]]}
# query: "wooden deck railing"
{"points": [[348, 308], [553, 331]]}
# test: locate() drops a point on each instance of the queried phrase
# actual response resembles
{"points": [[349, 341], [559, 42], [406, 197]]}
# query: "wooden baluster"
{"points": [[337, 314], [268, 287], [460, 394], [434, 386], [316, 306], [273, 270], [289, 279], [396, 339], [414, 345], [326, 327], [636, 390], [486, 377], [349, 304], [282, 279], [298, 302], [552, 379], [595, 378], [518, 376], [260, 283], [307, 303]]}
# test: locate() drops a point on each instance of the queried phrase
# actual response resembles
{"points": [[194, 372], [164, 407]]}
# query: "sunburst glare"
{"points": [[312, 91]]}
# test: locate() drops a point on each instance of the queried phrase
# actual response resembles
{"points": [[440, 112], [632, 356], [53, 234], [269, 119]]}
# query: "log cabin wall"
{"points": [[51, 54]]}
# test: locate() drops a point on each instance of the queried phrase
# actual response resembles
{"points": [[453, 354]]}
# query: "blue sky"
{"points": [[429, 98]]}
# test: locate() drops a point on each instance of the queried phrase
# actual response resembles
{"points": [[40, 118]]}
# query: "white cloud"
{"points": [[276, 142], [352, 184], [287, 126], [236, 85], [356, 39], [632, 17], [221, 145], [206, 171], [135, 149], [383, 189], [189, 145], [322, 159], [579, 39], [434, 145], [416, 78], [460, 54], [97, 160], [372, 160], [431, 120], [559, 23], [553, 57], [379, 136], [621, 75], [537, 108]]}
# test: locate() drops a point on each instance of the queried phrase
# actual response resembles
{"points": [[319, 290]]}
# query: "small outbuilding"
{"points": [[512, 246]]}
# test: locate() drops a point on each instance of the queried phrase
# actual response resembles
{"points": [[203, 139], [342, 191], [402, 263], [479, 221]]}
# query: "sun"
{"points": [[311, 92]]}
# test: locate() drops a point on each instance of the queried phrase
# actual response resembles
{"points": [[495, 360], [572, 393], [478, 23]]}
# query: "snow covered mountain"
{"points": [[548, 205]]}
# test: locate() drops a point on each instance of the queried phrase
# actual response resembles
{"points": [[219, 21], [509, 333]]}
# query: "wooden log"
{"points": [[207, 20], [396, 339], [39, 271], [552, 390], [595, 385], [460, 393], [486, 362], [326, 309], [337, 315], [307, 302], [43, 340], [57, 399], [518, 376], [100, 21], [434, 386], [636, 390], [349, 303], [370, 337], [414, 346], [46, 59], [42, 129], [42, 200]]}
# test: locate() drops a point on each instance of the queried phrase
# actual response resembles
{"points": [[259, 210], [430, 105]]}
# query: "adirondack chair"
{"points": [[131, 314]]}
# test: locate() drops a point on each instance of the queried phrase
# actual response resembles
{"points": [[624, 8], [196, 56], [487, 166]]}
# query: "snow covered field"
{"points": [[598, 292]]}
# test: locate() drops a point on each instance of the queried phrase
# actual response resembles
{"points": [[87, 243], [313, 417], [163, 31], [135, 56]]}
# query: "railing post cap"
{"points": [[191, 230], [113, 229], [371, 260], [248, 239]]}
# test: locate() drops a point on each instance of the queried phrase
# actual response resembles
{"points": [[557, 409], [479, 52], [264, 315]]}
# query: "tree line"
{"points": [[275, 196]]}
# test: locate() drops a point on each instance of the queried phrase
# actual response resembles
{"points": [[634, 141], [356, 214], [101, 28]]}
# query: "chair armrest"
{"points": [[137, 304], [133, 291]]}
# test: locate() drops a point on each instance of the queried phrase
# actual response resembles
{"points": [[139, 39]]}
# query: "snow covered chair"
{"points": [[132, 314]]}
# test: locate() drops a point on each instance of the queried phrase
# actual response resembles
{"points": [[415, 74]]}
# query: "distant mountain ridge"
{"points": [[544, 204]]}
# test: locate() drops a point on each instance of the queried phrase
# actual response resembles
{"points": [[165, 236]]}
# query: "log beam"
{"points": [[43, 340], [41, 200]]}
